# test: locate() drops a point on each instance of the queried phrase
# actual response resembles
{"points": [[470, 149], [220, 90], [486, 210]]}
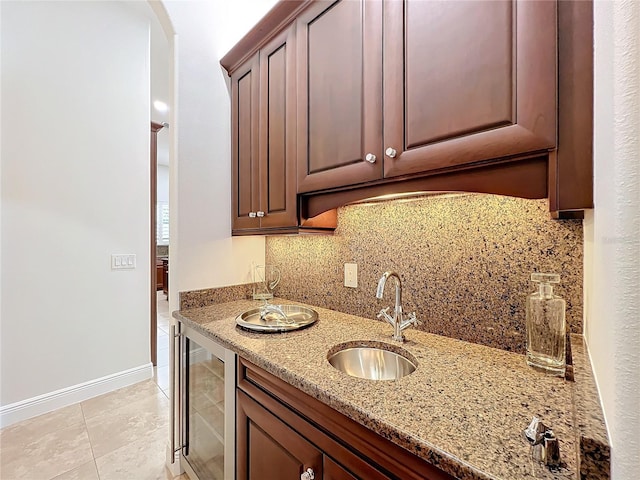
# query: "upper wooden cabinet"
{"points": [[464, 82], [392, 96], [277, 132], [245, 166], [467, 82], [263, 114], [339, 54], [263, 136]]}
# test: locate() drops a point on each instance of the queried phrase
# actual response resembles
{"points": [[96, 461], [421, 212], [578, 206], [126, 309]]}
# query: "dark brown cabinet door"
{"points": [[295, 431], [333, 471], [466, 82], [339, 78], [268, 449], [245, 103], [358, 469], [263, 117], [278, 132]]}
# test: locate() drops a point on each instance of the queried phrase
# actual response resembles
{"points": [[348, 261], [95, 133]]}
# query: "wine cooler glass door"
{"points": [[207, 379]]}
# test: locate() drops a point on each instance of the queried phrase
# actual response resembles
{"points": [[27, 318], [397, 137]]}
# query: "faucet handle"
{"points": [[384, 313], [411, 319]]}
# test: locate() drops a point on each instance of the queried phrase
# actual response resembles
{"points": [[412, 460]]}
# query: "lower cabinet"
{"points": [[333, 471], [282, 433], [272, 449]]}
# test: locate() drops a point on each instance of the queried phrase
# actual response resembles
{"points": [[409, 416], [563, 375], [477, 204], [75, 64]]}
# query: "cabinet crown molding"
{"points": [[274, 22]]}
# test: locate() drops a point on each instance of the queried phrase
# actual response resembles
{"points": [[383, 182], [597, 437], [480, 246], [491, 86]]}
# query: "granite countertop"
{"points": [[463, 409]]}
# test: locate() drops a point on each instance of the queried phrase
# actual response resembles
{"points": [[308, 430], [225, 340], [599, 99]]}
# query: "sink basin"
{"points": [[373, 362], [297, 317]]}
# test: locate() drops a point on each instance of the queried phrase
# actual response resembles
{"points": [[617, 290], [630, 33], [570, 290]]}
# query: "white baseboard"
{"points": [[32, 407]]}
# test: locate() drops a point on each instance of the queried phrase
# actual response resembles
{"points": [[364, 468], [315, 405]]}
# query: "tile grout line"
{"points": [[128, 444], [93, 455]]}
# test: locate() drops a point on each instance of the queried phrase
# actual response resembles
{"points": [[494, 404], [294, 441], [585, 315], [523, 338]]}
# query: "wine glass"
{"points": [[265, 280]]}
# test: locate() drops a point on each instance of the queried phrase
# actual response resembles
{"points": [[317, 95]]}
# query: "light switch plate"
{"points": [[123, 261], [351, 275]]}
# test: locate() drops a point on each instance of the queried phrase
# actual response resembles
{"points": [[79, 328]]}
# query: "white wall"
{"points": [[75, 189], [612, 230], [75, 86], [203, 253], [163, 183]]}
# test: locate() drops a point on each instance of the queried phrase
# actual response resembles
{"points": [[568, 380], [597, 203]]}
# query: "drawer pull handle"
{"points": [[308, 475]]}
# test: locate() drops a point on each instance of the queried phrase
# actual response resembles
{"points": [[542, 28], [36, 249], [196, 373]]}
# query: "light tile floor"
{"points": [[121, 435]]}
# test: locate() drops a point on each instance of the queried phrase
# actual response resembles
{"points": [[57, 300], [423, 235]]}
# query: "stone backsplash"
{"points": [[465, 261], [211, 296]]}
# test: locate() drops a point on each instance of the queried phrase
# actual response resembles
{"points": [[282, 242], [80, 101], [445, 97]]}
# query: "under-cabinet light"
{"points": [[407, 197]]}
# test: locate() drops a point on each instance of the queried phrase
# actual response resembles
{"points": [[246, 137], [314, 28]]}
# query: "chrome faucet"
{"points": [[397, 320], [267, 309]]}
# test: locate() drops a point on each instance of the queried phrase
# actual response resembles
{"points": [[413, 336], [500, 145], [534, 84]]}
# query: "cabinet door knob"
{"points": [[308, 475], [391, 152], [252, 214], [370, 157], [260, 214]]}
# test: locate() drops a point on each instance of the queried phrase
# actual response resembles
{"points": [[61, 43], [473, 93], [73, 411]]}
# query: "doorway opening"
{"points": [[161, 108], [157, 262]]}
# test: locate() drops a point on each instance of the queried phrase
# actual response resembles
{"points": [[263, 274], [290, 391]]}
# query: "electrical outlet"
{"points": [[351, 275], [123, 261]]}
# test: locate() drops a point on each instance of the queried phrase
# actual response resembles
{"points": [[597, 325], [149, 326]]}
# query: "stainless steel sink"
{"points": [[271, 320], [372, 362]]}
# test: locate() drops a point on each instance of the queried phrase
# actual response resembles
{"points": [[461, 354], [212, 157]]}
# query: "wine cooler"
{"points": [[204, 406]]}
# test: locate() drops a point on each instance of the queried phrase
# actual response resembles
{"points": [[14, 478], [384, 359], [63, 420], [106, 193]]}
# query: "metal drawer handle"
{"points": [[308, 475], [260, 214], [370, 157], [252, 214]]}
